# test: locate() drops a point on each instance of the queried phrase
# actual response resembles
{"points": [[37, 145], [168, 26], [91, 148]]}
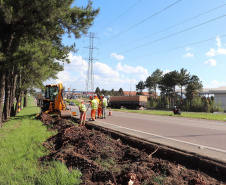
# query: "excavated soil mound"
{"points": [[104, 160]]}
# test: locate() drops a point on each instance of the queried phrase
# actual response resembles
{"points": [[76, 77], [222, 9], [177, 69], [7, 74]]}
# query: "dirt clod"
{"points": [[104, 160]]}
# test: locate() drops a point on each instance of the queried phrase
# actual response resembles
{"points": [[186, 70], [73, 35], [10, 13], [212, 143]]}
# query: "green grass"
{"points": [[21, 145], [75, 101], [209, 116]]}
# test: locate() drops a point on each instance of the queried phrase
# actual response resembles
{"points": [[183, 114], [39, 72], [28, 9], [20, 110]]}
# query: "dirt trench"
{"points": [[107, 157]]}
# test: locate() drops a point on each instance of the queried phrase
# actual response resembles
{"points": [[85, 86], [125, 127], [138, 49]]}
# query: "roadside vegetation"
{"points": [[198, 115], [31, 47], [21, 146], [189, 100], [74, 101]]}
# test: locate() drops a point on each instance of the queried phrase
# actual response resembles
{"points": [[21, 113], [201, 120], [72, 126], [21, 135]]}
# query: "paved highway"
{"points": [[204, 137]]}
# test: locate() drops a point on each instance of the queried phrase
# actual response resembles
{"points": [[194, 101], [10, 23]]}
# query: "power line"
{"points": [[171, 35], [173, 26], [174, 34], [164, 9], [121, 14], [179, 47]]}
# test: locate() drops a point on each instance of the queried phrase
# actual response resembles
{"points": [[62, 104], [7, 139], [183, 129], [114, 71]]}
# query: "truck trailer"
{"points": [[129, 102]]}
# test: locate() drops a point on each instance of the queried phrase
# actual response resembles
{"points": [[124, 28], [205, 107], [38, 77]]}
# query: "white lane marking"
{"points": [[184, 124], [176, 140]]}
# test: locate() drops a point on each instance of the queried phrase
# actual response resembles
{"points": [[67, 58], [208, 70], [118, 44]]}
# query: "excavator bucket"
{"points": [[65, 113]]}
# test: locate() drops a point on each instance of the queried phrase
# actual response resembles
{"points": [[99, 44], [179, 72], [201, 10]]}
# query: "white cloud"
{"points": [[213, 52], [211, 62], [117, 57], [66, 79], [77, 64], [131, 70], [219, 51], [166, 71], [104, 70], [215, 84], [108, 78], [188, 55], [105, 77], [109, 29], [138, 71], [218, 42]]}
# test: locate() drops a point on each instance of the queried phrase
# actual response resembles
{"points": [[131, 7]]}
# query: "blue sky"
{"points": [[135, 37]]}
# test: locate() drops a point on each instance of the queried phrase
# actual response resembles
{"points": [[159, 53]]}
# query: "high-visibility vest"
{"points": [[83, 107], [98, 101], [94, 104], [105, 103], [100, 104]]}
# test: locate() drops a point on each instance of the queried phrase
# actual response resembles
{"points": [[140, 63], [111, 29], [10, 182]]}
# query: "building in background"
{"points": [[219, 95]]}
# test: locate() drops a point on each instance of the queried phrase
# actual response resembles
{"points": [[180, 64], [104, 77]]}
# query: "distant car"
{"points": [[72, 103]]}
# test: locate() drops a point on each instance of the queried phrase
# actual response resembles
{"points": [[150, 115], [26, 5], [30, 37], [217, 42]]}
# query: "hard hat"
{"points": [[90, 97], [95, 95], [102, 95]]}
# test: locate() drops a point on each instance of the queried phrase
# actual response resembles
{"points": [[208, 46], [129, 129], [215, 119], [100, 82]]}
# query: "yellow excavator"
{"points": [[53, 102]]}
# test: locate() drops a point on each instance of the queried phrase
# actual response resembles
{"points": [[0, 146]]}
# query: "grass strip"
{"points": [[208, 116], [21, 145], [72, 100]]}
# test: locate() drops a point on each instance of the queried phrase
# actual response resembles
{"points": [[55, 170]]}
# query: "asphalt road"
{"points": [[199, 136]]}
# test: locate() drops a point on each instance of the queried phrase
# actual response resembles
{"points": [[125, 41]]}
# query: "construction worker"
{"points": [[98, 101], [99, 112], [82, 109], [93, 104], [104, 105]]}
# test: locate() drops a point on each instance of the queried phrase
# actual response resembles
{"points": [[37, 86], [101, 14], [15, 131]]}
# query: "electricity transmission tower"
{"points": [[90, 75]]}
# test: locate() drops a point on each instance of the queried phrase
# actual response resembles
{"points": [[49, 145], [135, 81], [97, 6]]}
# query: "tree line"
{"points": [[31, 46], [111, 93], [167, 83]]}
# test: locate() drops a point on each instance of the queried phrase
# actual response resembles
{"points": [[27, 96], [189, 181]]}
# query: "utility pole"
{"points": [[90, 75]]}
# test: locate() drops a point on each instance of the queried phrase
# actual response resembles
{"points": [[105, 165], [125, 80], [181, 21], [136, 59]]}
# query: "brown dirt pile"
{"points": [[103, 160]]}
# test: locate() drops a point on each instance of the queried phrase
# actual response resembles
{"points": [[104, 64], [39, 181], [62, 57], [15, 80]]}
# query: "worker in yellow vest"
{"points": [[93, 104], [82, 109], [98, 102]]}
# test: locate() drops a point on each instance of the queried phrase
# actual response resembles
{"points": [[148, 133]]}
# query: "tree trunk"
{"points": [[2, 89], [18, 100], [174, 95], [18, 94], [25, 98], [13, 90], [155, 92], [181, 97], [6, 110]]}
